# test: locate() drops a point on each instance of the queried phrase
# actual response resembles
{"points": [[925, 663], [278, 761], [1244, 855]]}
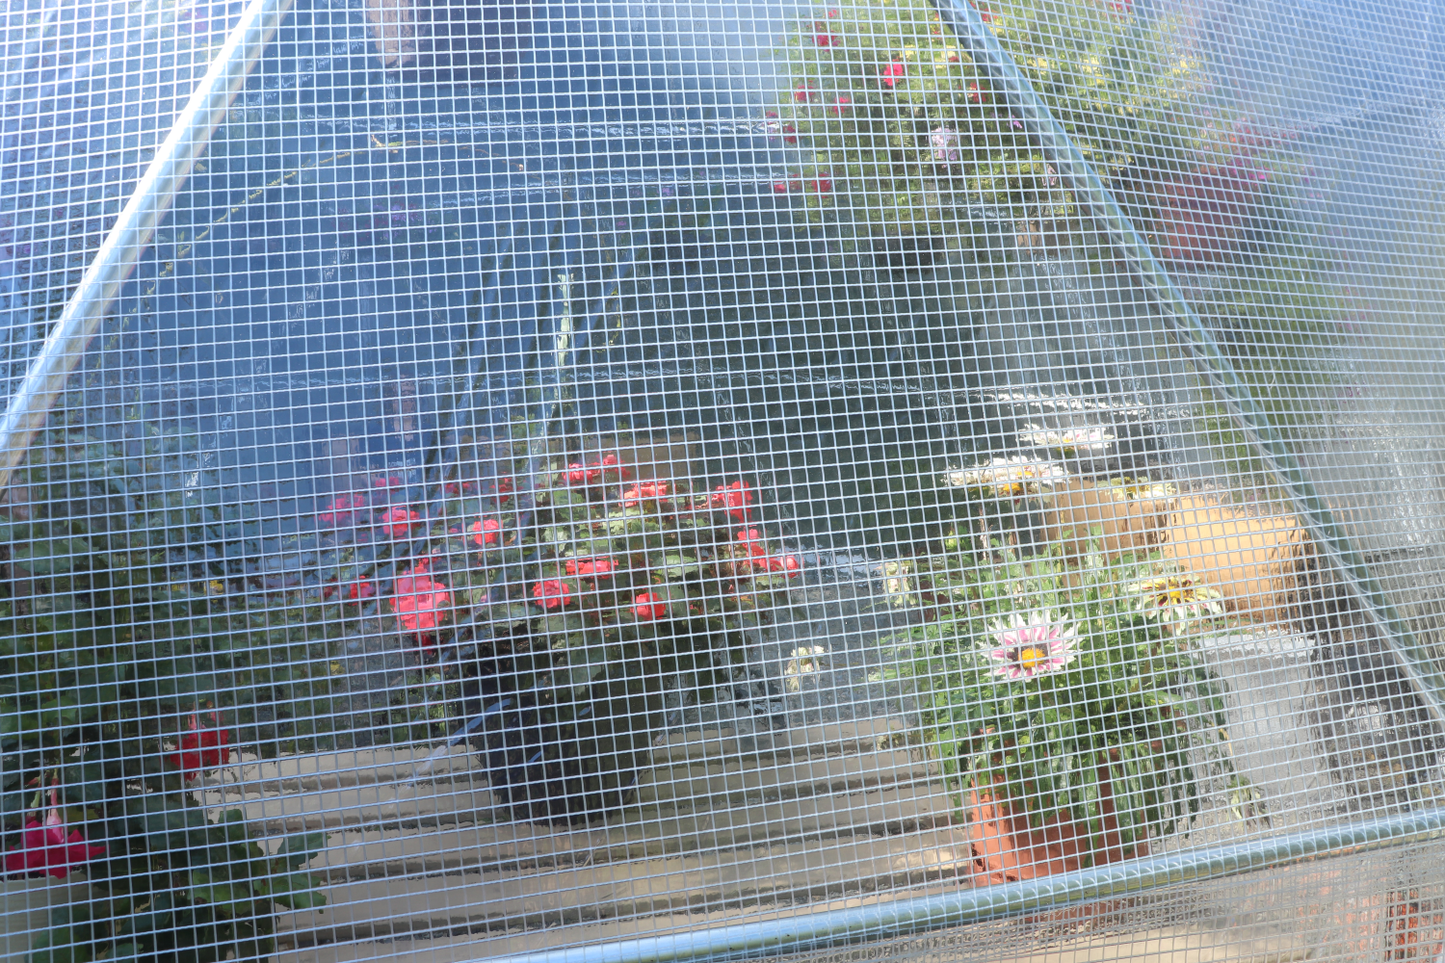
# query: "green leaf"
{"points": [[676, 566], [297, 850], [61, 945]]}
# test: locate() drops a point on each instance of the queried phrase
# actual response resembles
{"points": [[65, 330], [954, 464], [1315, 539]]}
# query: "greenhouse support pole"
{"points": [[1093, 194], [131, 234], [891, 919]]}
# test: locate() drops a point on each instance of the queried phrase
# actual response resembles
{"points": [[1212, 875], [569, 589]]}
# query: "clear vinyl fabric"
{"points": [[881, 479]]}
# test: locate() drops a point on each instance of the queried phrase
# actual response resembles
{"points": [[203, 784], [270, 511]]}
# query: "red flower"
{"points": [[358, 590], [45, 847], [397, 523], [823, 184], [974, 93], [833, 14], [580, 474], [735, 498], [649, 606], [889, 75], [612, 466], [590, 567], [342, 513], [551, 593], [201, 749], [840, 105], [451, 489], [389, 482], [804, 94], [645, 491], [419, 602], [775, 128], [787, 563], [488, 531], [787, 187], [823, 37], [752, 540]]}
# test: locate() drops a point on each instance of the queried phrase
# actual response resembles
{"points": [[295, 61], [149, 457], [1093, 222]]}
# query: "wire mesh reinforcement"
{"points": [[660, 482]]}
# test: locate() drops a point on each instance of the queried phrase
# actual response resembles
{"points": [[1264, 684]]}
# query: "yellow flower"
{"points": [[1177, 601]]}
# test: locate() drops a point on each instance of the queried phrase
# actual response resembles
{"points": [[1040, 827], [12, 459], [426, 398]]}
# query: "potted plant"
{"points": [[1068, 706], [564, 607]]}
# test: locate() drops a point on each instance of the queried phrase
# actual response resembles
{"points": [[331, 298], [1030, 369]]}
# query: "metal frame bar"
{"points": [[131, 234], [898, 918]]}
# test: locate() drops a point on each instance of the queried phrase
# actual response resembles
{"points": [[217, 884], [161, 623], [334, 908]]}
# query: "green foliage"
{"points": [[1128, 692], [111, 633], [590, 607], [895, 112]]}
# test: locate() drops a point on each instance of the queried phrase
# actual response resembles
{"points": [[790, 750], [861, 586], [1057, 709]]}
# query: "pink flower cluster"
{"points": [[420, 603], [583, 474]]}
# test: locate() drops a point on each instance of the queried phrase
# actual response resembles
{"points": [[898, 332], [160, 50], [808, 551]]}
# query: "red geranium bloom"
{"points": [[358, 590], [590, 567], [551, 593], [397, 523], [735, 498], [580, 474], [787, 187], [612, 466], [889, 75], [45, 847], [824, 38], [590, 473], [420, 602], [342, 510], [804, 94], [389, 482], [649, 606], [785, 563], [487, 531], [645, 491], [201, 749], [840, 105], [752, 540], [822, 184]]}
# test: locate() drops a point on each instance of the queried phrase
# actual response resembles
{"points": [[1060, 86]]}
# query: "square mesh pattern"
{"points": [[882, 479]]}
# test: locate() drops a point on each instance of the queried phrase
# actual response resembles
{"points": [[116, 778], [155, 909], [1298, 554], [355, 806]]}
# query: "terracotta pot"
{"points": [[1008, 848]]}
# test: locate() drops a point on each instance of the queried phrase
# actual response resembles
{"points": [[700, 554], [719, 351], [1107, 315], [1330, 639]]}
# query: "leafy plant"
{"points": [[1038, 678], [896, 113], [584, 608], [111, 634]]}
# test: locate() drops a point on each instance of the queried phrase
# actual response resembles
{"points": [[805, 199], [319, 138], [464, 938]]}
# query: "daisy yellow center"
{"points": [[1032, 656]]}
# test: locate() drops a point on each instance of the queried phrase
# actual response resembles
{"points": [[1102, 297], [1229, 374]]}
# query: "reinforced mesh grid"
{"points": [[671, 481]]}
